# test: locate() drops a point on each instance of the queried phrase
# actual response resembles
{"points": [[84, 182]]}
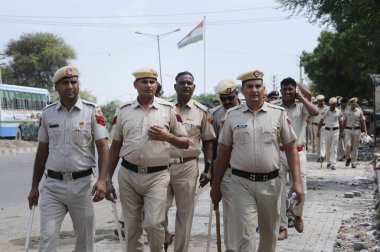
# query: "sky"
{"points": [[240, 36]]}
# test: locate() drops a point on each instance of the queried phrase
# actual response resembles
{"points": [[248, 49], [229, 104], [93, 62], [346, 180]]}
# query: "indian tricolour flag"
{"points": [[194, 36]]}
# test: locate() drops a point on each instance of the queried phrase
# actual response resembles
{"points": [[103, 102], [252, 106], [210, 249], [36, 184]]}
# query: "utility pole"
{"points": [[274, 82], [300, 65], [2, 56]]}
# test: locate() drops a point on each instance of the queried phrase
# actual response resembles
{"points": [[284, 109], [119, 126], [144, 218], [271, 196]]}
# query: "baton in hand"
{"points": [[118, 228], [29, 228], [218, 239]]}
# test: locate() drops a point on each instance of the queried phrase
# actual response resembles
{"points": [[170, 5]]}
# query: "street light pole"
{"points": [[158, 37]]}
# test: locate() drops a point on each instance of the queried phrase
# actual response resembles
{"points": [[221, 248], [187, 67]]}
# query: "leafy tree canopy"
{"points": [[34, 58]]}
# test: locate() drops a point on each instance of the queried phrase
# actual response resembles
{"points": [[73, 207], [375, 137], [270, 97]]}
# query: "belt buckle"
{"points": [[252, 177], [142, 169], [67, 176], [177, 160]]}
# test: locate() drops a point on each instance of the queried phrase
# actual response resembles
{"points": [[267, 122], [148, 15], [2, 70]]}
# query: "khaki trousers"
{"points": [[143, 192], [341, 148], [59, 197], [229, 222], [352, 138], [284, 171], [256, 199], [319, 141], [331, 141], [182, 186]]}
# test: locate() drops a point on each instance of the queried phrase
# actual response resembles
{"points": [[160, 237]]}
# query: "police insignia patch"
{"points": [[100, 117], [209, 120], [179, 118]]}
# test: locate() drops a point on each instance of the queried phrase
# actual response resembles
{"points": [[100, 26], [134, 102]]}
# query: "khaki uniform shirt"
{"points": [[255, 137], [71, 135], [196, 123], [332, 118], [218, 114], [297, 114], [353, 117], [316, 119], [131, 124]]}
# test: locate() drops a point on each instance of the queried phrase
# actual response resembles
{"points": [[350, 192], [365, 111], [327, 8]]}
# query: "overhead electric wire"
{"points": [[137, 25], [144, 16]]}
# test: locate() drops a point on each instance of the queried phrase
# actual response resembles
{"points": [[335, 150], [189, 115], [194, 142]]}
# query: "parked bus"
{"points": [[20, 108]]}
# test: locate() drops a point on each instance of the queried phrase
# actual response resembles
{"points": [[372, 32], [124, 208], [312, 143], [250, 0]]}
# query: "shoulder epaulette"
{"points": [[89, 103], [164, 102], [50, 105], [126, 104], [200, 105], [275, 106], [234, 108], [213, 110]]}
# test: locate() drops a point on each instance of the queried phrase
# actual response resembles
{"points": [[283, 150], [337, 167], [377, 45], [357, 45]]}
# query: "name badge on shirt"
{"points": [[241, 126], [53, 125]]}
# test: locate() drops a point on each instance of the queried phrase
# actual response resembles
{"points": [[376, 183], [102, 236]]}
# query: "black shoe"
{"points": [[170, 241], [348, 161], [328, 166], [333, 168], [353, 166], [318, 160], [322, 159]]}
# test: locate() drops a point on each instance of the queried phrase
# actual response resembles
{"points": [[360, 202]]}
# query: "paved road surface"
{"points": [[324, 210]]}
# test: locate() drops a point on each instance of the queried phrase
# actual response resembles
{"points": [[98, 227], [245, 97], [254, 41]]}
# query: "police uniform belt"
{"points": [[352, 128], [299, 148], [182, 160], [256, 176], [142, 169], [335, 128], [68, 175], [317, 124]]}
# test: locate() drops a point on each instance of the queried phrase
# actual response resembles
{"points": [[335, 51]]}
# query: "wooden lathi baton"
{"points": [[218, 239]]}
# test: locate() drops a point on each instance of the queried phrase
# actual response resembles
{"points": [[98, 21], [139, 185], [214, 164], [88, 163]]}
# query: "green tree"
{"points": [[35, 57], [109, 112], [206, 98], [340, 64]]}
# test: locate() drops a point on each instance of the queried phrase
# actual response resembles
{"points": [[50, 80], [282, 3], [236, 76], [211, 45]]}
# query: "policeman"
{"points": [[319, 141], [69, 130], [353, 123], [273, 96], [298, 108], [228, 94], [332, 119], [184, 169], [341, 145], [142, 134], [249, 142]]}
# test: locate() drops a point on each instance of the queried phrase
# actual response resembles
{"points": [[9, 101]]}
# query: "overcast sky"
{"points": [[240, 35]]}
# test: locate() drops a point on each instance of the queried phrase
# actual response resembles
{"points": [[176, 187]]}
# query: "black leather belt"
{"points": [[68, 175], [142, 169], [318, 124], [335, 128], [256, 176], [352, 128]]}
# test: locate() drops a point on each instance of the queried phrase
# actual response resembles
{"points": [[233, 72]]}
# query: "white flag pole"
{"points": [[204, 55]]}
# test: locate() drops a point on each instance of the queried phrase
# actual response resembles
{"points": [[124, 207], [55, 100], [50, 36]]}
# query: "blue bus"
{"points": [[20, 107]]}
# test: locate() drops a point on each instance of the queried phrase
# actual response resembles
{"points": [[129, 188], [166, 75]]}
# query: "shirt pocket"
{"points": [[132, 130], [242, 136], [191, 128], [82, 135], [268, 136], [54, 132]]}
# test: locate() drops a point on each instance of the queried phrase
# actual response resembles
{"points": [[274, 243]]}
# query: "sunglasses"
{"points": [[227, 98]]}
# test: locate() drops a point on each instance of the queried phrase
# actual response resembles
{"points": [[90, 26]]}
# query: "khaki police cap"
{"points": [[146, 72], [332, 100], [64, 72], [354, 99], [320, 97], [225, 87], [251, 75]]}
